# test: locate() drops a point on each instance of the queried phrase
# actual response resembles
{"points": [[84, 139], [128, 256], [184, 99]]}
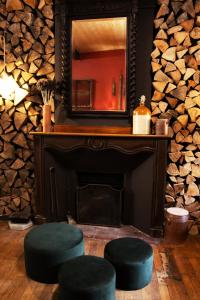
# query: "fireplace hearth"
{"points": [[106, 179]]}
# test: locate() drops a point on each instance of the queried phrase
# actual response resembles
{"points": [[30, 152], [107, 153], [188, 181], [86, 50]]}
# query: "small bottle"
{"points": [[141, 118]]}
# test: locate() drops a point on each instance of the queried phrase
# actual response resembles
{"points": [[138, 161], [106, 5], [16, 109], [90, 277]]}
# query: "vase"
{"points": [[46, 118]]}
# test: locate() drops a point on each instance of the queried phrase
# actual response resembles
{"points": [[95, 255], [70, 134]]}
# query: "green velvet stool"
{"points": [[86, 278], [47, 246], [132, 259]]}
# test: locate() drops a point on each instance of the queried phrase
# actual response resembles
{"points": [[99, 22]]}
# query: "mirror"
{"points": [[91, 30], [99, 64]]}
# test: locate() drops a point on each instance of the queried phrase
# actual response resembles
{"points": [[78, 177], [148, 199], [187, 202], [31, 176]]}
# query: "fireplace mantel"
{"points": [[141, 159]]}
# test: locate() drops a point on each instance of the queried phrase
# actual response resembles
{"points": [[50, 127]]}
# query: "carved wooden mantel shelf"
{"points": [[68, 130], [69, 152]]}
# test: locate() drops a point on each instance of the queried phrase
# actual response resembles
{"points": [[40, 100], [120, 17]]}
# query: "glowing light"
{"points": [[7, 86], [9, 89]]}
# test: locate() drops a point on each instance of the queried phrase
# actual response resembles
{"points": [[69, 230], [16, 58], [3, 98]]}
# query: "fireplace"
{"points": [[106, 179]]}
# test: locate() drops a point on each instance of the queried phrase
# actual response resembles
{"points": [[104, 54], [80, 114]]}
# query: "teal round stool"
{"points": [[49, 245], [132, 259], [86, 278]]}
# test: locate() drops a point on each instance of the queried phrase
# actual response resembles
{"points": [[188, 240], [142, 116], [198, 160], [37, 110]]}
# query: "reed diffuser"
{"points": [[46, 87]]}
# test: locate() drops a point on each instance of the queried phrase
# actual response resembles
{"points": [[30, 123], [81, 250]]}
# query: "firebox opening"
{"points": [[99, 198]]}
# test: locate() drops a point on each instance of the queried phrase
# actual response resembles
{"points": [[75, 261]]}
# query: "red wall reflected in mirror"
{"points": [[99, 56]]}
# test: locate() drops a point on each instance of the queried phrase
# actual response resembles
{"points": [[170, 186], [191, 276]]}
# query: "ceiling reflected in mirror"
{"points": [[99, 64]]}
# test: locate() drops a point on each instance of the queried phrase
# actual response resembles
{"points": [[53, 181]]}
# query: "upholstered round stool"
{"points": [[132, 259], [47, 246], [86, 278]]}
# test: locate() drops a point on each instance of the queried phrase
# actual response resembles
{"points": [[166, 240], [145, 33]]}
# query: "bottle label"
{"points": [[141, 124]]}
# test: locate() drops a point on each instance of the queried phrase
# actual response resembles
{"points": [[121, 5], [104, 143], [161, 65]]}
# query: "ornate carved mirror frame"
{"points": [[139, 16]]}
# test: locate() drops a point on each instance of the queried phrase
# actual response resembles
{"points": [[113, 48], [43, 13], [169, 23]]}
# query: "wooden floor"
{"points": [[176, 269]]}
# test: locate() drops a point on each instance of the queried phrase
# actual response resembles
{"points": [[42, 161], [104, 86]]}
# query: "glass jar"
{"points": [[141, 118]]}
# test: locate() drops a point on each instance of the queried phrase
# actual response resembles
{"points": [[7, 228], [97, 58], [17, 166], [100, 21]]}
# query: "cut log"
{"points": [[189, 72], [156, 111], [190, 179], [180, 64], [188, 139], [173, 42], [170, 54], [185, 132], [174, 29], [153, 105], [163, 106], [155, 53], [159, 86], [174, 157], [180, 36], [172, 101], [172, 169], [178, 187], [195, 33], [181, 53], [155, 66], [191, 147], [187, 25], [158, 96], [181, 108], [164, 10], [172, 179], [181, 18], [179, 201], [196, 78], [189, 8], [189, 158], [191, 63], [169, 199], [179, 137], [197, 23], [197, 6], [171, 20], [176, 6], [194, 113], [176, 76], [161, 45], [187, 42], [193, 207], [164, 26], [179, 92], [174, 147], [196, 171], [161, 76], [189, 199], [161, 35], [170, 88], [158, 22], [170, 67], [185, 169], [169, 190], [194, 48], [193, 190], [197, 56]]}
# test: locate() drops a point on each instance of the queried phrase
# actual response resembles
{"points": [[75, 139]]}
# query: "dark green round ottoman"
{"points": [[132, 259], [47, 246], [86, 278]]}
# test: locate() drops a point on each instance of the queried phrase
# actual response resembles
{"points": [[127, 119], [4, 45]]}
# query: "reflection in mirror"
{"points": [[99, 64]]}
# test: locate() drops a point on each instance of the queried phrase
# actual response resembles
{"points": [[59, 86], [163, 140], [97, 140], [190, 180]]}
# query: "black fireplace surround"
{"points": [[101, 180]]}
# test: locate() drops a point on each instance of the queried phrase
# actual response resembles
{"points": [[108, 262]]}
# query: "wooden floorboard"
{"points": [[176, 272]]}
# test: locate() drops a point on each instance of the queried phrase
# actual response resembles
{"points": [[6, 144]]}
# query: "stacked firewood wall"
{"points": [[28, 27], [176, 81]]}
